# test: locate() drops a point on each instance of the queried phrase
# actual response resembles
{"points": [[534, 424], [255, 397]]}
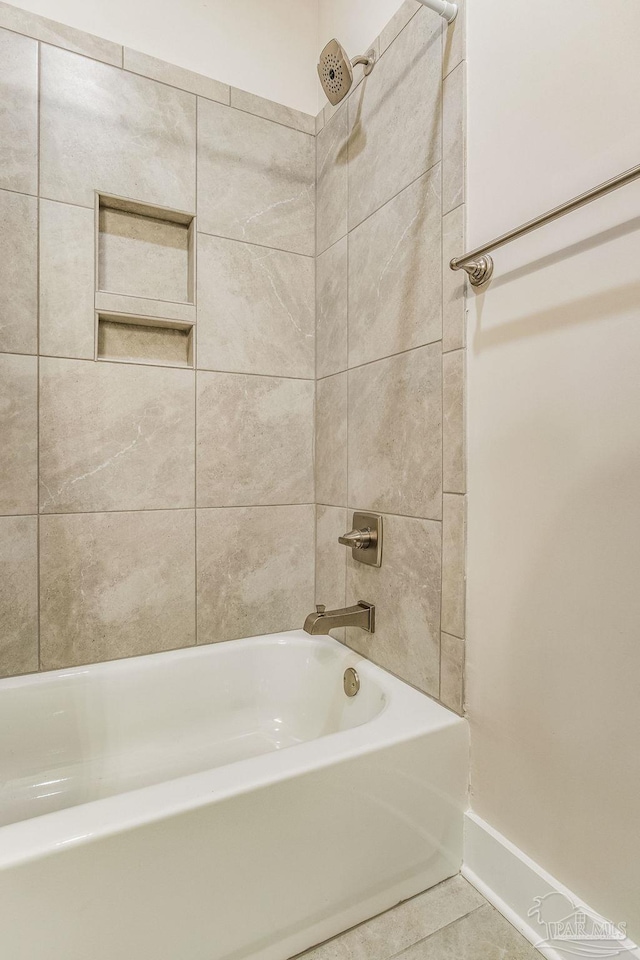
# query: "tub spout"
{"points": [[363, 615]]}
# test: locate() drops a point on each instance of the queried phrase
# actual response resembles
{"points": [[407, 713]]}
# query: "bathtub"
{"points": [[226, 801]]}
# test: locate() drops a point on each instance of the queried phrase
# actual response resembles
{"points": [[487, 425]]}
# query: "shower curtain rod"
{"points": [[479, 266], [447, 10]]}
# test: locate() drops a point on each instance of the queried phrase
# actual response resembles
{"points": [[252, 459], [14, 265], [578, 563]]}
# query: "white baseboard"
{"points": [[518, 888]]}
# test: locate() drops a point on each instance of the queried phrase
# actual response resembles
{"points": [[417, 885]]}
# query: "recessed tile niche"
{"points": [[144, 251], [141, 340], [145, 309]]}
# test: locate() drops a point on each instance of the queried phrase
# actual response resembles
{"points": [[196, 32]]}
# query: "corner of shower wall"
{"points": [[390, 344]]}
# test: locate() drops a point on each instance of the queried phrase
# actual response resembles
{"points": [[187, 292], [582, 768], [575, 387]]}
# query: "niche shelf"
{"points": [[130, 339], [144, 251]]}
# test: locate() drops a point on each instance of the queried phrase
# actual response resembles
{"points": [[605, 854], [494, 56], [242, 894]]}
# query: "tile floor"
{"points": [[452, 921]]}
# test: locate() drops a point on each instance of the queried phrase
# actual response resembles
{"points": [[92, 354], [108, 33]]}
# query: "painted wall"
{"points": [[267, 48], [355, 23], [554, 443]]}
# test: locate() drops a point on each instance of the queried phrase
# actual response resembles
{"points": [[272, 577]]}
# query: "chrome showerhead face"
{"points": [[335, 72]]}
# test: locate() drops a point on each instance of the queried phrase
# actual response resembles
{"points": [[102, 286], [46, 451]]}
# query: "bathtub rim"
{"points": [[408, 714]]}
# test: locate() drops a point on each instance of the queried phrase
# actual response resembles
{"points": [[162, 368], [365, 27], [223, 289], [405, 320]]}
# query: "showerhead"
{"points": [[336, 70]]}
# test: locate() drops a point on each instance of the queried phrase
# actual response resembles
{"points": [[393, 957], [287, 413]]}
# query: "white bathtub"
{"points": [[150, 810]]}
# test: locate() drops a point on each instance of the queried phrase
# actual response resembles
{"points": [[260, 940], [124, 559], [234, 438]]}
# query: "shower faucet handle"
{"points": [[365, 539], [357, 539]]}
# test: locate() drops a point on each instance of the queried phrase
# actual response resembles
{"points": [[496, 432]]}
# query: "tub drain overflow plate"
{"points": [[351, 682]]}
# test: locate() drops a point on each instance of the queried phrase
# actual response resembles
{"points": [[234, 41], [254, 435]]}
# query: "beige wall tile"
{"points": [[453, 282], [453, 139], [59, 34], [108, 130], [395, 256], [395, 434], [18, 113], [255, 440], [394, 118], [18, 272], [319, 121], [175, 76], [398, 22], [255, 570], [331, 556], [270, 110], [255, 309], [115, 585], [18, 434], [389, 933], [143, 256], [406, 592], [452, 672], [454, 41], [115, 437], [453, 564], [269, 197], [331, 310], [139, 307], [331, 165], [67, 281], [18, 595], [453, 429], [331, 440]]}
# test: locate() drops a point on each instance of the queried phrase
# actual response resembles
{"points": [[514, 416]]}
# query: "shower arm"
{"points": [[447, 10]]}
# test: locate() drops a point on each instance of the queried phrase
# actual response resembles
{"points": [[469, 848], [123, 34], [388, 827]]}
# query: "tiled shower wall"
{"points": [[146, 507], [390, 349]]}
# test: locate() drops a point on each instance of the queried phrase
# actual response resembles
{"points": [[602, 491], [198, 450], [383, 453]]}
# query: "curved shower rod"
{"points": [[447, 10]]}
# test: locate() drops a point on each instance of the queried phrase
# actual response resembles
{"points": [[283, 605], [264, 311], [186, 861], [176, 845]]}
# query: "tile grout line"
{"points": [[252, 243], [315, 377], [347, 417], [20, 193], [392, 513], [195, 393], [230, 506], [389, 912], [216, 236], [280, 123], [38, 202], [437, 932], [442, 388], [385, 203], [221, 103], [66, 49], [166, 366], [389, 356]]}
